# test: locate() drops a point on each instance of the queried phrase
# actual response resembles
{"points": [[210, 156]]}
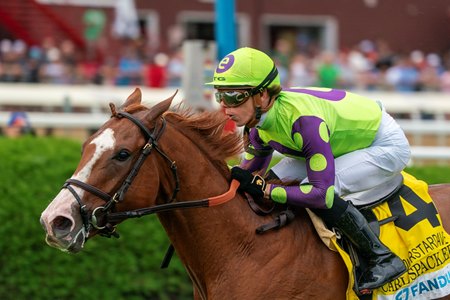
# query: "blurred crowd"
{"points": [[368, 65]]}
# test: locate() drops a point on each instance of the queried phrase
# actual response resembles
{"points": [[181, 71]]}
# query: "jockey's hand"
{"points": [[252, 184]]}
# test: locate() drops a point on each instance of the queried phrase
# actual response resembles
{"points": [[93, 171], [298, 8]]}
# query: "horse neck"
{"points": [[203, 236], [195, 229]]}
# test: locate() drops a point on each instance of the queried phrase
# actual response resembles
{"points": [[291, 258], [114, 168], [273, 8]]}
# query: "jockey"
{"points": [[337, 144]]}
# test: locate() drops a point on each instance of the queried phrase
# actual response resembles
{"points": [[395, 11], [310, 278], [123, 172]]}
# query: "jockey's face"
{"points": [[241, 114]]}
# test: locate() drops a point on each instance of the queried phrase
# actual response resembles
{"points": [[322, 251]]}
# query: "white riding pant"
{"points": [[366, 175]]}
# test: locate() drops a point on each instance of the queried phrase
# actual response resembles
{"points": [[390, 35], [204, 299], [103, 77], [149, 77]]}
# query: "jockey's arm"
{"points": [[318, 192], [257, 155]]}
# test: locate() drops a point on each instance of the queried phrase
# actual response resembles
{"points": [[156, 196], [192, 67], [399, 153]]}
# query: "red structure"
{"points": [[328, 24]]}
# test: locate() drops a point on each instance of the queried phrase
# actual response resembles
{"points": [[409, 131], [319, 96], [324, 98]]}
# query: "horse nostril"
{"points": [[61, 226]]}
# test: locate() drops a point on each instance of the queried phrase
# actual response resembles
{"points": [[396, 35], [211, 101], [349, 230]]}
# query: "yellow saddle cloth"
{"points": [[418, 238]]}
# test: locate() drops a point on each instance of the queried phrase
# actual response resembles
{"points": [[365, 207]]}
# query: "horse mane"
{"points": [[205, 130]]}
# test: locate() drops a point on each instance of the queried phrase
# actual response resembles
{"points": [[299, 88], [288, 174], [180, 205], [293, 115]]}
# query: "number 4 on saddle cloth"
{"points": [[409, 224]]}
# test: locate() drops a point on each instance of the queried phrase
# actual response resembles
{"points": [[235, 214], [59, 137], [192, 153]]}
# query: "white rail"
{"points": [[94, 101], [435, 103], [93, 98], [60, 120], [87, 121], [430, 152]]}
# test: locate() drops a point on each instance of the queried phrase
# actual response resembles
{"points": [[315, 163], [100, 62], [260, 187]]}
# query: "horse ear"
{"points": [[113, 109], [134, 98], [160, 108]]}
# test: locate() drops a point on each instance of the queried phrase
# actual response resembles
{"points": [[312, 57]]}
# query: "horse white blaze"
{"points": [[64, 204]]}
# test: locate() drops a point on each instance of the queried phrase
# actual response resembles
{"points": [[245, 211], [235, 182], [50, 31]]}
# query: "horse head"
{"points": [[111, 160]]}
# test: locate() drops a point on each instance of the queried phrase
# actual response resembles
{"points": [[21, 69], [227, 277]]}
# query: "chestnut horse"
{"points": [[184, 159]]}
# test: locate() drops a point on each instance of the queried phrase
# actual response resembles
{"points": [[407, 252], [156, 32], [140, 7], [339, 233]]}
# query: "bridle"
{"points": [[108, 229], [111, 218]]}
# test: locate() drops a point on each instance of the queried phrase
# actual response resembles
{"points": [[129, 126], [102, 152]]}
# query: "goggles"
{"points": [[233, 98]]}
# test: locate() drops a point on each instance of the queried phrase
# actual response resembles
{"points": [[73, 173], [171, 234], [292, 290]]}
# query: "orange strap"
{"points": [[225, 197]]}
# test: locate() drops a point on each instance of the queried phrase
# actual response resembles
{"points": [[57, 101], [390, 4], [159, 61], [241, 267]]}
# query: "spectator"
{"points": [[47, 44], [68, 53], [385, 55], [403, 76], [175, 69], [156, 71], [55, 71], [108, 72], [13, 60], [88, 72], [327, 71], [18, 125], [130, 68], [282, 71], [430, 72], [445, 79], [346, 74], [282, 53], [300, 70], [366, 66], [33, 65], [361, 67]]}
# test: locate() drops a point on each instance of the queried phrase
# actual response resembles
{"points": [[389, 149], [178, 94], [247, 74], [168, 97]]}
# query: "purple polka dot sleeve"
{"points": [[260, 156], [313, 135]]}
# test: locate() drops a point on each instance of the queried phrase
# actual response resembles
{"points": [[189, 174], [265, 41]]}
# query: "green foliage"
{"points": [[32, 173], [431, 174]]}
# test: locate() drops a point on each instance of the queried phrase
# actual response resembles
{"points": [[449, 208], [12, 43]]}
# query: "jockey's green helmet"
{"points": [[246, 67]]}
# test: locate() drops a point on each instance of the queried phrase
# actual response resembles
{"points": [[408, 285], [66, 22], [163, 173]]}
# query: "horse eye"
{"points": [[122, 155]]}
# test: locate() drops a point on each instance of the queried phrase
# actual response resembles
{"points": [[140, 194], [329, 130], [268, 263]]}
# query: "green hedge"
{"points": [[32, 172]]}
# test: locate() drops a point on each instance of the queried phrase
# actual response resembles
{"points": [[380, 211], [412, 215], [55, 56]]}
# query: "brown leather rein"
{"points": [[106, 212]]}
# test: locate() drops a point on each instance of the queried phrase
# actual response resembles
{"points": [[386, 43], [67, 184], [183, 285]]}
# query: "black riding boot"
{"points": [[383, 265]]}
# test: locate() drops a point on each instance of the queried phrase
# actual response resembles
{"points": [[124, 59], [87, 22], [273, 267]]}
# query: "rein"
{"points": [[112, 218], [208, 202]]}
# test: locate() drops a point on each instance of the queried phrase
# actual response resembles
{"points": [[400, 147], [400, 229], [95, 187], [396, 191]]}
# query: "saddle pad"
{"points": [[418, 238]]}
